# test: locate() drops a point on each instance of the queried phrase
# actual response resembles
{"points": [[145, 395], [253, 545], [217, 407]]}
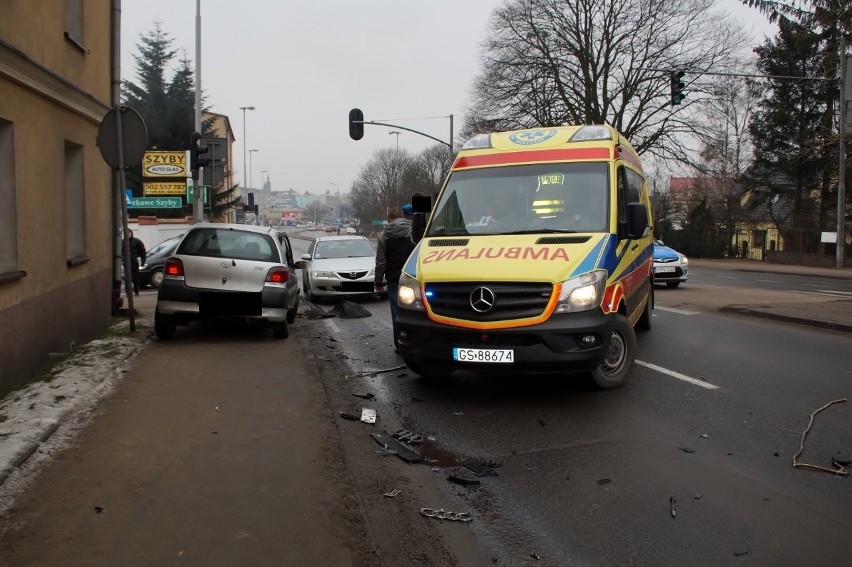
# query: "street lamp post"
{"points": [[337, 216], [251, 184], [257, 200], [397, 132], [244, 108]]}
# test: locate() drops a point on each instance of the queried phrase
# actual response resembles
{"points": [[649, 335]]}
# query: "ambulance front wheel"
{"points": [[616, 366]]}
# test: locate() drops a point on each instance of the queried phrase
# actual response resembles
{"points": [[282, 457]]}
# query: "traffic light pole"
{"points": [[353, 120]]}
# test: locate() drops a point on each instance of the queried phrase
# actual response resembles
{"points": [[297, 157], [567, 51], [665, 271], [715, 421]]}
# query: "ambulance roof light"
{"points": [[588, 133], [478, 142]]}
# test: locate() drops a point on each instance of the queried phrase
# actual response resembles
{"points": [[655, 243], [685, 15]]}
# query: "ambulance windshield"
{"points": [[551, 197]]}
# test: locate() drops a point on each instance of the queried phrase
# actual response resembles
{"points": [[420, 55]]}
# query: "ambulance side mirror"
{"points": [[418, 226], [637, 220], [422, 206]]}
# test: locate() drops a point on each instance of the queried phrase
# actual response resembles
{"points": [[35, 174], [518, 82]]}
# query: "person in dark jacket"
{"points": [[137, 255], [394, 247]]}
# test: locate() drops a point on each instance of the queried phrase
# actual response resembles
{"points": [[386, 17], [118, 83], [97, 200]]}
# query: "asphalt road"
{"points": [[691, 463]]}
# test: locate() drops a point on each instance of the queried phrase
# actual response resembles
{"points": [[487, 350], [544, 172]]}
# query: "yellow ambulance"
{"points": [[537, 256]]}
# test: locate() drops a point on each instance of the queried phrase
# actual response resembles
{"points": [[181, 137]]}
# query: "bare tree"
{"points": [[726, 149], [379, 185], [549, 62]]}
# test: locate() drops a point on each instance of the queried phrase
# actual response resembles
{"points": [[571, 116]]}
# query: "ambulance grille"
{"points": [[563, 240], [512, 300], [449, 242]]}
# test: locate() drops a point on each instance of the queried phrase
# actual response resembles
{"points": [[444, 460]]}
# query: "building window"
{"points": [[74, 23], [75, 205], [8, 210]]}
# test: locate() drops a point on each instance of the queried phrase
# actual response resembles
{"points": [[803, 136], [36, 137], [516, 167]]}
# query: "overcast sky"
{"points": [[305, 64]]}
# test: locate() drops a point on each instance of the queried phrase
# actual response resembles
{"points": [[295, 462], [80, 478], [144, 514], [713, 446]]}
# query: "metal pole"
{"points": [[841, 174], [245, 145], [337, 215], [198, 205], [451, 141], [251, 183]]}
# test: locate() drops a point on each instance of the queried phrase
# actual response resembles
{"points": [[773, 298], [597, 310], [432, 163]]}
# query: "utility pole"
{"points": [[197, 204], [845, 95]]}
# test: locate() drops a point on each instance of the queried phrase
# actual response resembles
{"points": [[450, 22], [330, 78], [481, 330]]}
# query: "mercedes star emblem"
{"points": [[482, 299]]}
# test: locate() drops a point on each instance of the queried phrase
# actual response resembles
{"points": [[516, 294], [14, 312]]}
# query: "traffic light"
{"points": [[356, 124], [195, 150], [677, 86]]}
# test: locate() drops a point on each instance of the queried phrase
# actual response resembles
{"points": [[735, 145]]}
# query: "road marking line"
{"points": [[728, 277], [769, 281], [678, 375], [675, 310], [811, 285], [823, 293]]}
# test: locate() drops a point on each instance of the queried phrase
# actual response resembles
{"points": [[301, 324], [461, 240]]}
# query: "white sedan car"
{"points": [[339, 267]]}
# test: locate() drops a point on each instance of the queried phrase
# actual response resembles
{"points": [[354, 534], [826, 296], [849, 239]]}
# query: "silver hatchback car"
{"points": [[229, 271]]}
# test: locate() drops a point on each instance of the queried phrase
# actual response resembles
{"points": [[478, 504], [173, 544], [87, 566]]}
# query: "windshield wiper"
{"points": [[542, 230], [450, 232]]}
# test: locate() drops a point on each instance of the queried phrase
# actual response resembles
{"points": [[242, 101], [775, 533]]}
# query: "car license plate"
{"points": [[664, 269], [498, 355]]}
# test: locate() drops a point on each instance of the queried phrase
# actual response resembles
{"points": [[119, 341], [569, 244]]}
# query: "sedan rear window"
{"points": [[227, 243]]}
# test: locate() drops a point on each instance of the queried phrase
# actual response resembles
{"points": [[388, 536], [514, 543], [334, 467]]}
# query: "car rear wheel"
{"points": [[291, 313], [615, 367], [280, 330], [164, 326], [156, 278]]}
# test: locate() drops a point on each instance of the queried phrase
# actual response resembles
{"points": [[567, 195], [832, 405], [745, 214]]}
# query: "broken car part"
{"points": [[446, 515]]}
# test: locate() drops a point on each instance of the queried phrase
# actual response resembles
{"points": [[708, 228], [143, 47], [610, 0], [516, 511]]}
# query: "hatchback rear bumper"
{"points": [[175, 298]]}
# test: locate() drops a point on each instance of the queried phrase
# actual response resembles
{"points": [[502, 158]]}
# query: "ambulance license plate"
{"points": [[664, 269], [497, 355]]}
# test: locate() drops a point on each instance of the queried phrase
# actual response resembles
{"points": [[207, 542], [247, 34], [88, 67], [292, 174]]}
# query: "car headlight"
{"points": [[582, 293], [683, 261], [408, 295]]}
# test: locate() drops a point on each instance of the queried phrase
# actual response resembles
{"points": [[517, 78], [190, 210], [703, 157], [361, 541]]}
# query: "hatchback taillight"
{"points": [[277, 276], [173, 268]]}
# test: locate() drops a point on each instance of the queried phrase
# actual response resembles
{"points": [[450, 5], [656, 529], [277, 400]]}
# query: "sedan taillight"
{"points": [[277, 275], [173, 268]]}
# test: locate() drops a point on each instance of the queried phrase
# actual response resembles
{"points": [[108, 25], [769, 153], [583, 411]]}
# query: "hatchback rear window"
{"points": [[228, 243]]}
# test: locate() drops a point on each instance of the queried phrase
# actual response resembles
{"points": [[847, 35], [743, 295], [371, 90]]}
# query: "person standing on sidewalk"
{"points": [[137, 255], [394, 247]]}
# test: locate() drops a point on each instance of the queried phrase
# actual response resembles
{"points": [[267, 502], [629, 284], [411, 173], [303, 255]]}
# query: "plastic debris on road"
{"points": [[368, 415]]}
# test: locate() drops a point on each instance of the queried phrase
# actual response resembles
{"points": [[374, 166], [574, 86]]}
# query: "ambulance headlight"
{"points": [[582, 292], [408, 295]]}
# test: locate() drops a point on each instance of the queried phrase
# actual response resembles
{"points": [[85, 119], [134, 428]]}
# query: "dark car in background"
{"points": [[670, 266], [151, 272]]}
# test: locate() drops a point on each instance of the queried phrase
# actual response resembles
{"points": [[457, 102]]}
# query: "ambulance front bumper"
{"points": [[575, 342]]}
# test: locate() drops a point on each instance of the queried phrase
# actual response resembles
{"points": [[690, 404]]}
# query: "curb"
{"points": [[825, 325]]}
